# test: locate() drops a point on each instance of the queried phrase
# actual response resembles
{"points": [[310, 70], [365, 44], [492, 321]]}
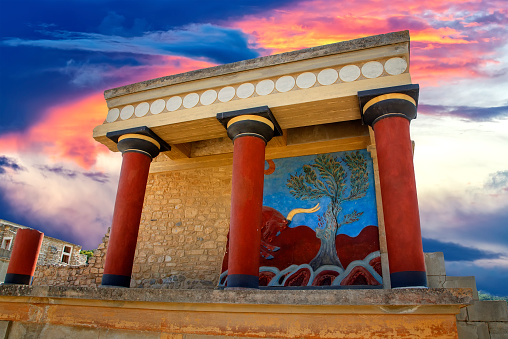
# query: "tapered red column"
{"points": [[24, 255], [249, 133], [389, 112], [138, 152]]}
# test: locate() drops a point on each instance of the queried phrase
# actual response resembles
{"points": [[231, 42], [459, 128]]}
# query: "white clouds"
{"points": [[62, 200], [195, 40]]}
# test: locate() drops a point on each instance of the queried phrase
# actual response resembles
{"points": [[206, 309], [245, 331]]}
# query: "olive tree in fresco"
{"points": [[328, 178]]}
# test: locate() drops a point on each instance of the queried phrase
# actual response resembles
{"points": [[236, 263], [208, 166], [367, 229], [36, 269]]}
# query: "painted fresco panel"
{"points": [[319, 222]]}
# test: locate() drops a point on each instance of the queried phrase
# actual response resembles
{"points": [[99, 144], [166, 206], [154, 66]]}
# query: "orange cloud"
{"points": [[444, 35], [65, 130]]}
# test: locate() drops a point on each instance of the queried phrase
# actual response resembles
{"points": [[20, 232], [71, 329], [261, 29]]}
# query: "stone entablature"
{"points": [[306, 89], [335, 74]]}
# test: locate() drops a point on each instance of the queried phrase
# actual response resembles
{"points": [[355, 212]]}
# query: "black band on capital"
{"points": [[380, 103], [133, 144], [250, 128], [387, 108]]}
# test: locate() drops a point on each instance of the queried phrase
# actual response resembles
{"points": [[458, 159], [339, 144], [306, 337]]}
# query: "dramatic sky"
{"points": [[57, 57]]}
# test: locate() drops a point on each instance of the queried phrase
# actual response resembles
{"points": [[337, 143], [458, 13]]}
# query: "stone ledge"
{"points": [[378, 297]]}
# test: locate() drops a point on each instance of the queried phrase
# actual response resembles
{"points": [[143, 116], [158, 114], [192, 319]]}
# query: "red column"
{"points": [[24, 255], [250, 130], [389, 112], [400, 203], [138, 152], [246, 205]]}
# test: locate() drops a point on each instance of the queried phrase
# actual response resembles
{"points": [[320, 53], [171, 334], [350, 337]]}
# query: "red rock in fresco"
{"points": [[324, 278], [299, 278], [359, 276], [357, 248]]}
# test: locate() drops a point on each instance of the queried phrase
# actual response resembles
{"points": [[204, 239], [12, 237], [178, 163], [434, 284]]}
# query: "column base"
{"points": [[243, 280], [116, 280], [409, 279], [18, 279]]}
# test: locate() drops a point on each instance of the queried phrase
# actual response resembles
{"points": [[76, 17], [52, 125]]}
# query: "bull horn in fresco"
{"points": [[302, 210]]}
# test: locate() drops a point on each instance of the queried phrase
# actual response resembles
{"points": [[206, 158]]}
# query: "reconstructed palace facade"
{"points": [[271, 198]]}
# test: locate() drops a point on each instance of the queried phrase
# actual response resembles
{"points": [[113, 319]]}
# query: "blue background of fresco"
{"points": [[276, 195]]}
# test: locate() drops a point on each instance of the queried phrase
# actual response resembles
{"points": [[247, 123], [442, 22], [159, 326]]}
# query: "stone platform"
{"points": [[62, 312]]}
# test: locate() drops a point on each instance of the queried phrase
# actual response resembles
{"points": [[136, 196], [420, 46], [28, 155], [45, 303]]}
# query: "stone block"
{"points": [[498, 330], [51, 331], [434, 263], [25, 330], [125, 334], [468, 330], [4, 328], [436, 281], [462, 282], [488, 310], [462, 316]]}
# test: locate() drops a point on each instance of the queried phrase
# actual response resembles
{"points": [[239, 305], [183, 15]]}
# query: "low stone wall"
{"points": [[58, 312], [482, 319], [74, 275]]}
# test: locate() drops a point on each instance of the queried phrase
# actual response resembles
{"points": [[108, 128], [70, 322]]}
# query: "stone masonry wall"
{"points": [[74, 275], [182, 235], [184, 224], [484, 319]]}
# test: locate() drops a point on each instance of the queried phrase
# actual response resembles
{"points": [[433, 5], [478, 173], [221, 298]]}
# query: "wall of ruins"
{"points": [[74, 275], [182, 235]]}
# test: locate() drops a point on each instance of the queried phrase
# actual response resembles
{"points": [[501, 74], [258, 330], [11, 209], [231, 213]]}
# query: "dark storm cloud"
{"points": [[97, 176], [7, 163], [467, 112], [72, 174], [497, 181], [457, 252], [58, 170]]}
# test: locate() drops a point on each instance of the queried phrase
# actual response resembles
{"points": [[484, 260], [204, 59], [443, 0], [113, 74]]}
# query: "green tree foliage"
{"points": [[327, 177], [88, 254]]}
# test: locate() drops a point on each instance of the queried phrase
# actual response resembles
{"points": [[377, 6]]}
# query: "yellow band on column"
{"points": [[251, 117], [386, 97], [139, 136]]}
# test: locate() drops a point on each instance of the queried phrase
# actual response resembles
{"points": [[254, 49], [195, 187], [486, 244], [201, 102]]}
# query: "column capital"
{"points": [[257, 121], [139, 139], [381, 103]]}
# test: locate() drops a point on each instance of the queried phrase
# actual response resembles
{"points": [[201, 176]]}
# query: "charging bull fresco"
{"points": [[319, 223]]}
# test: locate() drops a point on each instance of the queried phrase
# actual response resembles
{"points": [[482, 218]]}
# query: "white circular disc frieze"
{"points": [[285, 83], [306, 80], [372, 69], [127, 112], [208, 97], [174, 103], [190, 100], [113, 114], [142, 109], [349, 73], [157, 106], [327, 76], [265, 87], [226, 94], [395, 66], [245, 90]]}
